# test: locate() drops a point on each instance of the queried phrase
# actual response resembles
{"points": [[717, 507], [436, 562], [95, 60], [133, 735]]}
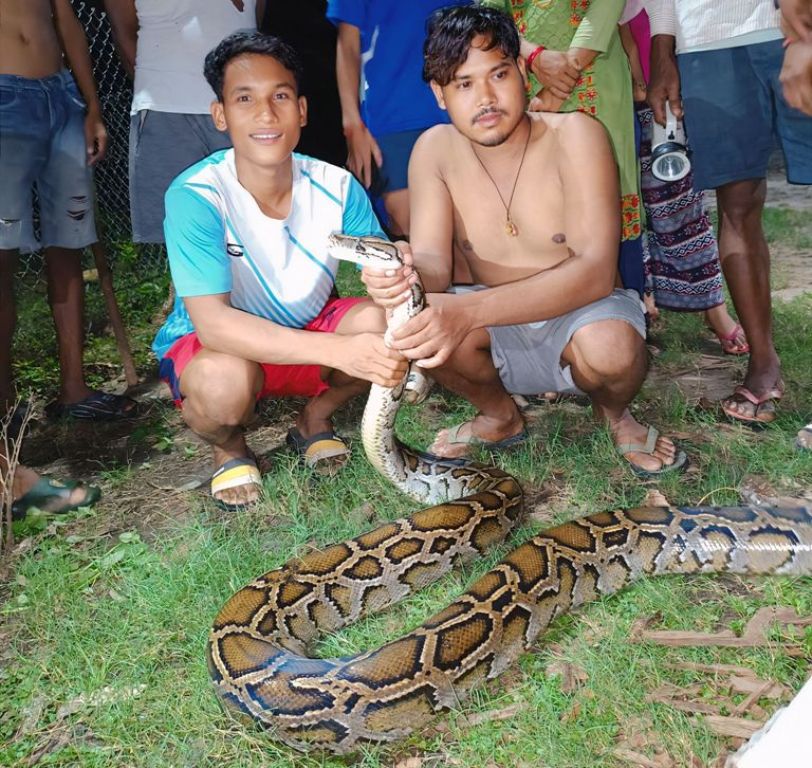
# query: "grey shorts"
{"points": [[162, 144], [528, 357]]}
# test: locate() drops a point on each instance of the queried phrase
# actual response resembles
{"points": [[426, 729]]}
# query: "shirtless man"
{"points": [[49, 136], [529, 201]]}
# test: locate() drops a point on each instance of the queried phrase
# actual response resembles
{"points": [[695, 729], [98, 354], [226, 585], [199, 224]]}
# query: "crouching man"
{"points": [[528, 203], [257, 314]]}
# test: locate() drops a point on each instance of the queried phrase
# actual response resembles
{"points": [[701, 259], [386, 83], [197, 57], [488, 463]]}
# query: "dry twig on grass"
{"points": [[9, 461]]}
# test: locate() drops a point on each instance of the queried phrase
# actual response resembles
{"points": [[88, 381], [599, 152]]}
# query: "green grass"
{"points": [[108, 601]]}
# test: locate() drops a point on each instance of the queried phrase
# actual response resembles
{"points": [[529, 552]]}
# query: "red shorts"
{"points": [[280, 380]]}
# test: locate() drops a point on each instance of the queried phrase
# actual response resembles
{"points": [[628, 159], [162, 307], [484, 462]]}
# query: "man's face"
{"points": [[260, 109], [486, 97]]}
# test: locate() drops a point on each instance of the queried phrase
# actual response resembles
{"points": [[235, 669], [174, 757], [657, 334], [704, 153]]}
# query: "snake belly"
{"points": [[259, 645]]}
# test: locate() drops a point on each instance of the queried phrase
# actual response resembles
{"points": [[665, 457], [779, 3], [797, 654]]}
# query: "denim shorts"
{"points": [[162, 145], [42, 140], [735, 111]]}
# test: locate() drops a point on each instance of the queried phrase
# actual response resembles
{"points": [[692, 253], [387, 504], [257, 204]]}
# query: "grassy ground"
{"points": [[105, 613]]}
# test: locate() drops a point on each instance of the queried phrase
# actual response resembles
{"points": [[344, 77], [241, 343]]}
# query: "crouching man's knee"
{"points": [[220, 387], [608, 350]]}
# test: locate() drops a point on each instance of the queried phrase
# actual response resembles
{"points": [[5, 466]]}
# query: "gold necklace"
{"points": [[510, 227]]}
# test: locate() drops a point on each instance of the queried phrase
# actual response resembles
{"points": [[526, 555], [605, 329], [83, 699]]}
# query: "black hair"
{"points": [[450, 32], [240, 43]]}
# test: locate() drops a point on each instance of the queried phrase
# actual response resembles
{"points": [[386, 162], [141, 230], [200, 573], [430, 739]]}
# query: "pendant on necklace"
{"points": [[511, 229]]}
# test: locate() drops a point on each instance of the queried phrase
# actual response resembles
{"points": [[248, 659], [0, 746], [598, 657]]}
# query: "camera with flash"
{"points": [[669, 155]]}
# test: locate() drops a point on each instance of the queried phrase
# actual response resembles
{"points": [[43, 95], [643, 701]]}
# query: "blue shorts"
{"points": [[396, 149], [735, 111], [43, 143]]}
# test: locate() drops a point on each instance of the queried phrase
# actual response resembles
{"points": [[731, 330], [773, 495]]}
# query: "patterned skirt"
{"points": [[680, 252]]}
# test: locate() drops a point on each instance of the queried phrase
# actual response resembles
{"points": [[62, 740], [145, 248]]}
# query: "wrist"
{"points": [[533, 55], [352, 126], [663, 44]]}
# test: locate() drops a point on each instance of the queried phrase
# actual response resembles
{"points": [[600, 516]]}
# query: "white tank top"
{"points": [[174, 37]]}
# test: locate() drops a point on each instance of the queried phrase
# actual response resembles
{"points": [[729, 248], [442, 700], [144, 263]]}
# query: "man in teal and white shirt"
{"points": [[257, 314]]}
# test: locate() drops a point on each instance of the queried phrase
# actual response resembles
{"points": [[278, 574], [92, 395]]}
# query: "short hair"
{"points": [[450, 32], [240, 43]]}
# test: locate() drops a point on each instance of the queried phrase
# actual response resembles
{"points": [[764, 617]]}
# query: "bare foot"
{"points": [[751, 407], [627, 430], [730, 334], [456, 442], [651, 307]]}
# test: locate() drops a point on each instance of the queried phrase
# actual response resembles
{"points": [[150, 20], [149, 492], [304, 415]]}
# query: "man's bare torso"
{"points": [[29, 46], [494, 257]]}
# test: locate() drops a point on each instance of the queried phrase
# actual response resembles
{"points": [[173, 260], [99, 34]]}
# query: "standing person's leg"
{"points": [[65, 187], [731, 156], [25, 136], [683, 267], [8, 322], [66, 297], [396, 149], [746, 263]]}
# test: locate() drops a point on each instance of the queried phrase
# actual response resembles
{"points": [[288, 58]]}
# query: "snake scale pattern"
{"points": [[258, 650]]}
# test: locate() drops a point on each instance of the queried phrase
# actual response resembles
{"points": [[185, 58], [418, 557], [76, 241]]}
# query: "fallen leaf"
{"points": [[477, 718], [31, 714], [732, 726], [572, 713], [573, 677], [754, 634], [635, 758], [409, 762]]}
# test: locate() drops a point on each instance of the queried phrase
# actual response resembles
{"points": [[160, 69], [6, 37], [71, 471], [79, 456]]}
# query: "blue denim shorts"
{"points": [[734, 113], [396, 149], [42, 143]]}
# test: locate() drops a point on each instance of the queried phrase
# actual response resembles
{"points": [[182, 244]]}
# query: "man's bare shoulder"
{"points": [[571, 129], [436, 141]]}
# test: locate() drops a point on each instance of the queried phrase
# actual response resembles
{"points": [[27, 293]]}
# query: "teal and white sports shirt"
{"points": [[219, 241]]}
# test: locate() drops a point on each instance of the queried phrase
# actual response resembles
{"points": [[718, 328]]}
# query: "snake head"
{"points": [[370, 251]]}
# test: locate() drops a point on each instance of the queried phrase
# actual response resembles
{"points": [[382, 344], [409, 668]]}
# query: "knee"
{"points": [[608, 349], [473, 347], [222, 387], [742, 207]]}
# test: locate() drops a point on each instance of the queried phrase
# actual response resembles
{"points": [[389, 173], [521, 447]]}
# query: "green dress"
{"points": [[604, 89]]}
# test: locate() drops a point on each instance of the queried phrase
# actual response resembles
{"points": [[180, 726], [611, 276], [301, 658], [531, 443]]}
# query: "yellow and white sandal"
{"points": [[233, 474], [324, 452]]}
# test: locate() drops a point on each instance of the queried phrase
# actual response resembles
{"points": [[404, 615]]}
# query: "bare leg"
{"points": [[317, 415], [219, 395], [8, 322], [608, 361], [470, 373], [397, 208], [66, 296], [746, 263]]}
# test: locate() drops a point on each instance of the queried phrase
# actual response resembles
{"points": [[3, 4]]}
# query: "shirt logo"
{"points": [[232, 249]]}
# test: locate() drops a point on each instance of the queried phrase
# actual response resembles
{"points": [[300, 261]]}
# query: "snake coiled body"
{"points": [[259, 643]]}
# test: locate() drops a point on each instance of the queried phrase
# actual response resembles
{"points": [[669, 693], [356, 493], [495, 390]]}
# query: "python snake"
{"points": [[258, 646]]}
